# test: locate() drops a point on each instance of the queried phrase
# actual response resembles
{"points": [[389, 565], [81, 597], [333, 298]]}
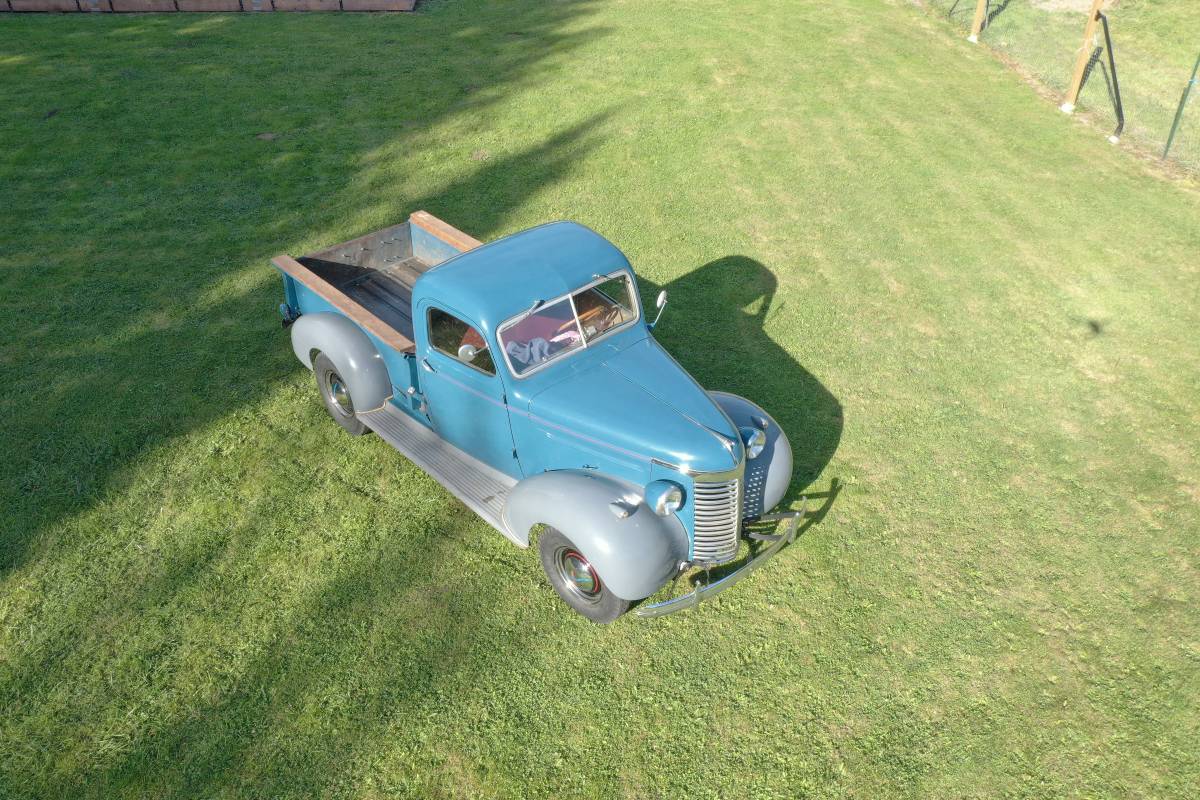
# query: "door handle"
{"points": [[427, 366]]}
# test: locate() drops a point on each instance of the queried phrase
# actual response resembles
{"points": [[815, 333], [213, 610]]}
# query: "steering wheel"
{"points": [[583, 318], [608, 317], [611, 316]]}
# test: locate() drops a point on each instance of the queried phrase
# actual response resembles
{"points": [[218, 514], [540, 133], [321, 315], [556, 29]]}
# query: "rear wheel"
{"points": [[576, 580], [336, 396]]}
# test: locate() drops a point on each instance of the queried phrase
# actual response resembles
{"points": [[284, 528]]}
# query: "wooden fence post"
{"points": [[977, 25], [1085, 53]]}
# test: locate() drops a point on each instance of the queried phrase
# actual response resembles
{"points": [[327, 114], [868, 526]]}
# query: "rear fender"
{"points": [[351, 351], [769, 475], [634, 555]]}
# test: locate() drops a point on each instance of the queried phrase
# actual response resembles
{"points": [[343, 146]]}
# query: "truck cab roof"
{"points": [[492, 283]]}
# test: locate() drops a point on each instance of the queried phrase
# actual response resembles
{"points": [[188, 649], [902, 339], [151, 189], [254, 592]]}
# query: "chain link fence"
{"points": [[1155, 45]]}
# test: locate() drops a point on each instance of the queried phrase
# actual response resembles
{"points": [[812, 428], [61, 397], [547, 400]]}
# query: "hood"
{"points": [[639, 401]]}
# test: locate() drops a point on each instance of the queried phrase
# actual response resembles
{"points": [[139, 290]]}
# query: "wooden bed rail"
{"points": [[352, 309]]}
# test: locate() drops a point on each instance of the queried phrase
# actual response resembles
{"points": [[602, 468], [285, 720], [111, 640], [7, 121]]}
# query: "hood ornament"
{"points": [[729, 443]]}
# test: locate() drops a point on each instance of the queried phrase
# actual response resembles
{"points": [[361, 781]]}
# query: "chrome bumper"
{"points": [[701, 593]]}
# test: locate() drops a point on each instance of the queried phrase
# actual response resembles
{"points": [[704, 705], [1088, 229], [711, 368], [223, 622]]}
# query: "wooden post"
{"points": [[977, 25], [1085, 53]]}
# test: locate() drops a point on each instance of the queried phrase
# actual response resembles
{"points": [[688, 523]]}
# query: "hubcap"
{"points": [[578, 574], [340, 394]]}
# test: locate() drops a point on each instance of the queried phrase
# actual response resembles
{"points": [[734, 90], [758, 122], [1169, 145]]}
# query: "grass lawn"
{"points": [[1155, 43], [969, 310]]}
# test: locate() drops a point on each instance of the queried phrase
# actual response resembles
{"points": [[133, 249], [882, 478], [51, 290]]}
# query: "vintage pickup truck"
{"points": [[522, 375]]}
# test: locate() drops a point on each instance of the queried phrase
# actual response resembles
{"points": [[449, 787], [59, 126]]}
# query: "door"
{"points": [[464, 394]]}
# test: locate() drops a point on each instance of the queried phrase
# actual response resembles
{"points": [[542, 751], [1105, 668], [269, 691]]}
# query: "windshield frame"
{"points": [[597, 279]]}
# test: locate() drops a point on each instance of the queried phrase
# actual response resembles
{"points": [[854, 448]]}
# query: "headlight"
{"points": [[755, 440], [664, 497]]}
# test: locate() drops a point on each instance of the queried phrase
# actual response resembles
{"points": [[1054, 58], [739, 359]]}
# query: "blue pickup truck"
{"points": [[522, 375]]}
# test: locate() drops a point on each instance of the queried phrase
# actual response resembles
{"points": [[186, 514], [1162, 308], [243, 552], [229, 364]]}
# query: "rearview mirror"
{"points": [[660, 303], [467, 353]]}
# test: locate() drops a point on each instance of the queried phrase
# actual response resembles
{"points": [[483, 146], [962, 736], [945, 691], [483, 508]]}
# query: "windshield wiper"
{"points": [[536, 305]]}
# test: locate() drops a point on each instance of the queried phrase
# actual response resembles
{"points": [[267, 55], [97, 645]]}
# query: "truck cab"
{"points": [[523, 374]]}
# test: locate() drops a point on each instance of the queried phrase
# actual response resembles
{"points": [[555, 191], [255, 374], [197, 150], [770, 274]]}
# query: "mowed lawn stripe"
{"points": [[968, 310]]}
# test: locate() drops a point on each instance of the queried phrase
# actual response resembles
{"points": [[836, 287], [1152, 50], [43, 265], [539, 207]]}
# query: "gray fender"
{"points": [[350, 350], [768, 476], [634, 556]]}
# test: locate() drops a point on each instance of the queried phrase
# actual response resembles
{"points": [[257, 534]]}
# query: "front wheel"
{"points": [[576, 580]]}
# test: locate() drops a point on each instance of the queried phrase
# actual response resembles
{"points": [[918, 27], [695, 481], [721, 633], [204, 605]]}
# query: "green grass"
{"points": [[967, 308], [1155, 45]]}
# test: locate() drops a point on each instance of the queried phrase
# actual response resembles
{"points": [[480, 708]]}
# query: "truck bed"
{"points": [[387, 292], [370, 279], [384, 290]]}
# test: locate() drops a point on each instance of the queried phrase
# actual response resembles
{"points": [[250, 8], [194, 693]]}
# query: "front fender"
{"points": [[351, 351], [769, 475], [634, 556]]}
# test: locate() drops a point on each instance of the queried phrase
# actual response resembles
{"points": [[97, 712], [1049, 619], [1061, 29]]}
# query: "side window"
{"points": [[460, 341]]}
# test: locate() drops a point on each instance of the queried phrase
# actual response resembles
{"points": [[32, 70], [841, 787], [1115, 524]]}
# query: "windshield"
{"points": [[559, 327]]}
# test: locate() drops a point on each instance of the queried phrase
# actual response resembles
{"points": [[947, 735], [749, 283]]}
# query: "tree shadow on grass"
{"points": [[132, 330], [205, 737], [137, 334]]}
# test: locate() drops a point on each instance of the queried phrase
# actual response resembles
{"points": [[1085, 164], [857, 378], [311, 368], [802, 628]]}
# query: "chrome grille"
{"points": [[717, 508]]}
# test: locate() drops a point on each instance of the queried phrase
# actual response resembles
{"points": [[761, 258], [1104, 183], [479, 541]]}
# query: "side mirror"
{"points": [[660, 304], [467, 353]]}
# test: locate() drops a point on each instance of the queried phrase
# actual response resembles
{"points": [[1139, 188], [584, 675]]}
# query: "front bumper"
{"points": [[701, 593]]}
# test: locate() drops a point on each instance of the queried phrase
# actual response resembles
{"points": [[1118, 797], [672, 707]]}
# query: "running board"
{"points": [[480, 487]]}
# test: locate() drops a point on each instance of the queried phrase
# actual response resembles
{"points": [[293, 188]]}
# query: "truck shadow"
{"points": [[716, 327]]}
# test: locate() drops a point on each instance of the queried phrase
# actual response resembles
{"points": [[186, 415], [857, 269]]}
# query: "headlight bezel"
{"points": [[664, 497], [754, 441]]}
